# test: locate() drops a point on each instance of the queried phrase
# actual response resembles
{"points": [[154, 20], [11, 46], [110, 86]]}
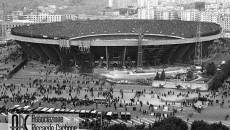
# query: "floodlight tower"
{"points": [[3, 21], [140, 49], [198, 46]]}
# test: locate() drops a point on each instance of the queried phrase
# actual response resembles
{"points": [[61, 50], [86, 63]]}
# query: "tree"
{"points": [[218, 126], [215, 84], [199, 125], [219, 77], [162, 77], [211, 69], [189, 75], [171, 123], [118, 127], [157, 77]]}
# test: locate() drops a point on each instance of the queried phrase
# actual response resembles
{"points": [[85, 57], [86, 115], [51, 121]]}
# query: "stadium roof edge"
{"points": [[117, 34], [113, 43]]}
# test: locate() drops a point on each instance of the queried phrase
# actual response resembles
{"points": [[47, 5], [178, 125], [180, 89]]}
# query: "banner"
{"points": [[84, 46], [63, 43]]}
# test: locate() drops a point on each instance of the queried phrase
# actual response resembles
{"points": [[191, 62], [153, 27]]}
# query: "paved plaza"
{"points": [[26, 83]]}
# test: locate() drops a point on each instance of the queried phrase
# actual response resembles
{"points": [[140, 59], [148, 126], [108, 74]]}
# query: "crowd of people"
{"points": [[39, 85], [66, 88], [69, 29], [10, 56]]}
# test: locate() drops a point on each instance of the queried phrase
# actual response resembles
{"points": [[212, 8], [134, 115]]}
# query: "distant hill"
{"points": [[74, 6]]}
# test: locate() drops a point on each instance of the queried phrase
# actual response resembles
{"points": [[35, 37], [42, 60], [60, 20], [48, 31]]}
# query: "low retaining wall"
{"points": [[185, 85]]}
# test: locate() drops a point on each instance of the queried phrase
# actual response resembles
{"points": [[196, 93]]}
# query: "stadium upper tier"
{"points": [[84, 28]]}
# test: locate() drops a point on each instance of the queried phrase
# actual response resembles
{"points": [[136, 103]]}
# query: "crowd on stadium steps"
{"points": [[70, 29], [10, 57], [8, 53]]}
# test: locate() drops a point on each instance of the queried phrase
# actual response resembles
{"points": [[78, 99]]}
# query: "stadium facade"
{"points": [[115, 42]]}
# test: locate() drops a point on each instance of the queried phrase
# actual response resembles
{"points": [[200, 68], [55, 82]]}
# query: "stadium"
{"points": [[116, 43]]}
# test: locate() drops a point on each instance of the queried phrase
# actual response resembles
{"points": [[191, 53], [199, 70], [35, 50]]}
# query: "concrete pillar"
{"points": [[124, 56]]}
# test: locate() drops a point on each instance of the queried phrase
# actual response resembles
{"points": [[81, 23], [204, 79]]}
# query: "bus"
{"points": [[51, 110], [38, 110], [57, 110], [82, 113], [44, 110], [93, 114], [125, 116], [13, 109]]}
